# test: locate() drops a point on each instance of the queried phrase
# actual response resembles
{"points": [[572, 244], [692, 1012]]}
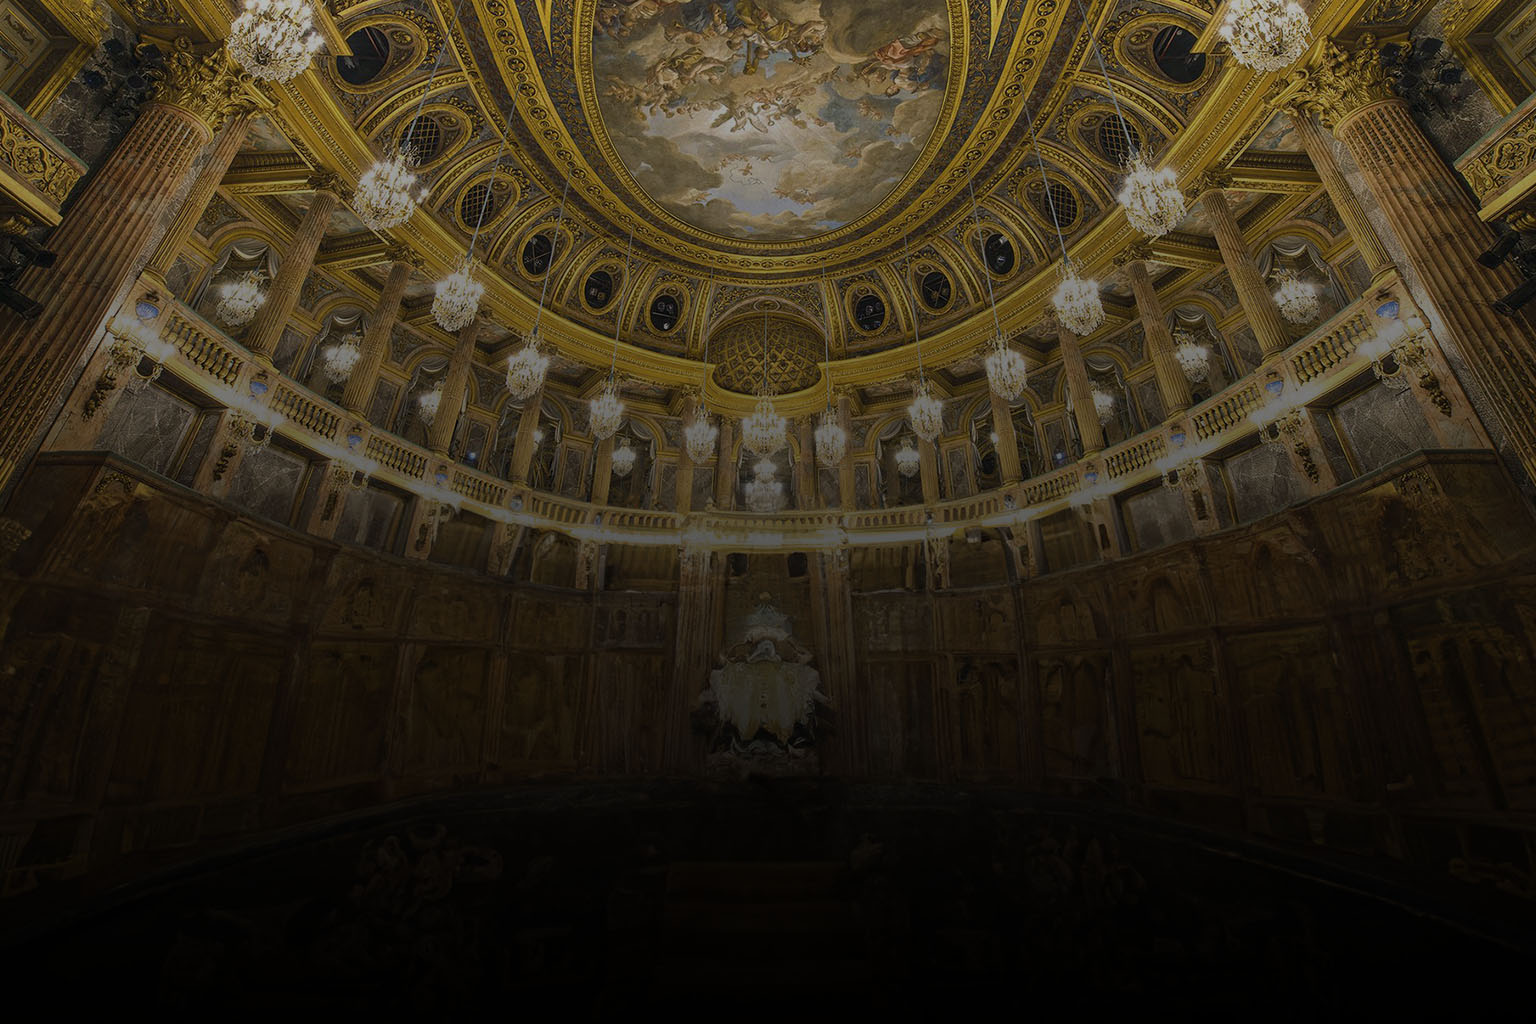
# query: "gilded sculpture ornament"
{"points": [[31, 158], [1340, 82], [205, 83]]}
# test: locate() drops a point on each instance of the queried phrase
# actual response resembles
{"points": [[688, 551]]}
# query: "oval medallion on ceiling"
{"points": [[770, 119]]}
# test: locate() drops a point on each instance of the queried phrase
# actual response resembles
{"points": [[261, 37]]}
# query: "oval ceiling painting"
{"points": [[770, 119]]}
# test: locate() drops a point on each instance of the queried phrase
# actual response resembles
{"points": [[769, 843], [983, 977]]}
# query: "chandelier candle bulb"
{"points": [[926, 413], [274, 40]]}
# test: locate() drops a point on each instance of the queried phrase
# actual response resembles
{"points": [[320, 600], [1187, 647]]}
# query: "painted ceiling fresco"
{"points": [[770, 119]]}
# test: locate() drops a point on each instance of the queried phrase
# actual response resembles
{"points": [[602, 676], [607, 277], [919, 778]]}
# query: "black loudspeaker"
{"points": [[25, 307], [1500, 250], [1517, 297]]}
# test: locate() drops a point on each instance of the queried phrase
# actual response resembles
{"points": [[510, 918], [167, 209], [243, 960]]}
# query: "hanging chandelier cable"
{"points": [[981, 242], [554, 243], [826, 338], [437, 65], [1125, 129], [618, 319], [1029, 121]]}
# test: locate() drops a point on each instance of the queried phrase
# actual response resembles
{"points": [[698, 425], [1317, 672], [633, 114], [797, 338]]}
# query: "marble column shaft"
{"points": [[1253, 295], [1172, 385], [928, 470], [1442, 236], [684, 478], [1008, 463], [602, 471], [1343, 197], [524, 445], [725, 467], [266, 329], [846, 498], [223, 152], [375, 344], [440, 434], [1080, 393], [101, 247], [805, 468]]}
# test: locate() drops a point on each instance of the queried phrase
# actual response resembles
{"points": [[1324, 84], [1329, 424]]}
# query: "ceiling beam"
{"points": [[258, 174], [1274, 172], [353, 252], [1192, 252]]}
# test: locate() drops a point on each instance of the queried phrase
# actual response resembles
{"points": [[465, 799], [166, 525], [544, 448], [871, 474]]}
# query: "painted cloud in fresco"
{"points": [[770, 119]]}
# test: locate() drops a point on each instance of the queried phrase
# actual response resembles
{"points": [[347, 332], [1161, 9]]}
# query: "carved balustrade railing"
{"points": [[213, 362]]}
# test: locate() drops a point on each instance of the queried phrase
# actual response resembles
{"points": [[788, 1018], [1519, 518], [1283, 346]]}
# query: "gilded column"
{"points": [[684, 485], [1007, 441], [725, 467], [805, 469], [1172, 385], [298, 260], [526, 443], [440, 435], [225, 148], [1252, 294], [602, 471], [1343, 197], [1423, 200], [101, 243], [375, 344], [1080, 393], [847, 500], [928, 470]]}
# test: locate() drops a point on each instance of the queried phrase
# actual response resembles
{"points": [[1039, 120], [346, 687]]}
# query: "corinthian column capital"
{"points": [[1339, 81], [204, 83]]}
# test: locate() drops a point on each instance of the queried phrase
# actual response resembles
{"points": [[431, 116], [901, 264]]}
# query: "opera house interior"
{"points": [[589, 506]]}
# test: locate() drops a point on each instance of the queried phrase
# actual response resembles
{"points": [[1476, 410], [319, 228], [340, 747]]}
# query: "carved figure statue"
{"points": [[763, 699]]}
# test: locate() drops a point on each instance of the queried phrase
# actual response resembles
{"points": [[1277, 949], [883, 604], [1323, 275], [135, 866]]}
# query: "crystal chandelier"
{"points": [[623, 458], [240, 299], [699, 437], [1006, 372], [274, 39], [1296, 298], [907, 459], [763, 432], [458, 298], [926, 413], [339, 360], [427, 403], [605, 411], [526, 368], [1194, 358], [386, 194], [831, 440], [1152, 200], [1266, 35], [1104, 405], [764, 493], [1076, 302]]}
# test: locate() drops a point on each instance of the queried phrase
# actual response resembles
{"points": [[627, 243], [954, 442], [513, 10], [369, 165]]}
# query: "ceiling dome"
{"points": [[770, 119], [794, 354]]}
